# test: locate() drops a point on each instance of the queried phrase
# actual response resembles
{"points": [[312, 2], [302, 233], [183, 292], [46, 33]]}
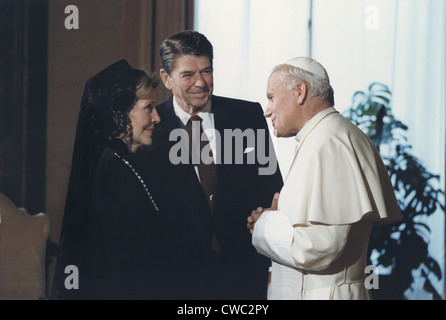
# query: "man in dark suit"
{"points": [[212, 181]]}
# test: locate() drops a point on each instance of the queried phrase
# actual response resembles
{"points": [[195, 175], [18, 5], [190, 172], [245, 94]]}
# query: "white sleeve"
{"points": [[312, 247]]}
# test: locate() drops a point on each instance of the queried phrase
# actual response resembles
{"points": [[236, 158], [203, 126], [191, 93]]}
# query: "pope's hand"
{"points": [[255, 214]]}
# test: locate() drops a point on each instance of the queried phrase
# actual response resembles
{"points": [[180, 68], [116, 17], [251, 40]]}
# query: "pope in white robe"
{"points": [[336, 190]]}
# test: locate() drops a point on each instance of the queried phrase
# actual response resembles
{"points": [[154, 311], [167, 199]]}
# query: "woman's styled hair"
{"points": [[122, 96], [106, 103], [108, 98], [319, 87], [186, 42]]}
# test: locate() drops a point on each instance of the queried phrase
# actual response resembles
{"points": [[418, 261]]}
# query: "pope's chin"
{"points": [[275, 132], [279, 134]]}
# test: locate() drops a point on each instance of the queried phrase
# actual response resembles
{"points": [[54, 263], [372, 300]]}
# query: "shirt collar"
{"points": [[312, 123], [184, 117]]}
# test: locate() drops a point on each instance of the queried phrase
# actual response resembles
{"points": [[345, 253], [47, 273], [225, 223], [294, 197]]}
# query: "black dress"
{"points": [[121, 247]]}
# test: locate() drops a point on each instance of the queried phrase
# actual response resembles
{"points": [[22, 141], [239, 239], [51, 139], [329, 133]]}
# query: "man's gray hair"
{"points": [[319, 88]]}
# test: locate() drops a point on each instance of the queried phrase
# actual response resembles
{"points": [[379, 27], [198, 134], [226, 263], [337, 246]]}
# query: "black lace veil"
{"points": [[107, 98]]}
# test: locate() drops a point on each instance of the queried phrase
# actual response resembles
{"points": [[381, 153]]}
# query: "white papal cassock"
{"points": [[337, 188]]}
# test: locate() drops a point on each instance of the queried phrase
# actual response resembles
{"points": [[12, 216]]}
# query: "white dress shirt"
{"points": [[207, 123]]}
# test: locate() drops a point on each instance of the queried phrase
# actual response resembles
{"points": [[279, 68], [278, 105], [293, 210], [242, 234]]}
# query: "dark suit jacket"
{"points": [[237, 271]]}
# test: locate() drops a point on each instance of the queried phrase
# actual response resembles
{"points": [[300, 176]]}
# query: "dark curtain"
{"points": [[23, 90]]}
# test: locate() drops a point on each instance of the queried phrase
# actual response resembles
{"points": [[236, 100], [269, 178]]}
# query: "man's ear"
{"points": [[165, 78], [301, 91]]}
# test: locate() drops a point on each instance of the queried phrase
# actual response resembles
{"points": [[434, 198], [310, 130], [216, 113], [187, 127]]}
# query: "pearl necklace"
{"points": [[141, 180]]}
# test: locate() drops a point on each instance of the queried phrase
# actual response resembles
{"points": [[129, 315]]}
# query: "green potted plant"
{"points": [[400, 248]]}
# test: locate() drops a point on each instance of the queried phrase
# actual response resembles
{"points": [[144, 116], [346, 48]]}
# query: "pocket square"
{"points": [[249, 149]]}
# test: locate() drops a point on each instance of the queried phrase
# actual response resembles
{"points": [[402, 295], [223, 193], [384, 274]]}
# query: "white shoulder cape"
{"points": [[337, 176]]}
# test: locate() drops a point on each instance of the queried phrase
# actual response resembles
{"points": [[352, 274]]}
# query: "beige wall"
{"points": [[109, 30]]}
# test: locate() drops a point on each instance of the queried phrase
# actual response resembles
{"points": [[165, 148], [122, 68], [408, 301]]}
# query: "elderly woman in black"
{"points": [[113, 223]]}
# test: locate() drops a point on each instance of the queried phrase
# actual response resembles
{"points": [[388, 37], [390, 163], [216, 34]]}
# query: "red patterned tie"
{"points": [[205, 164]]}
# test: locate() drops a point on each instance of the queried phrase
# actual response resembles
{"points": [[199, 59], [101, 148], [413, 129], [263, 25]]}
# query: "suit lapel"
{"points": [[170, 122], [222, 121]]}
